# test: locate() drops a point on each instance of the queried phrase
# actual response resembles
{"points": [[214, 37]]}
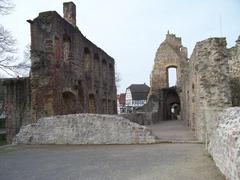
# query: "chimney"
{"points": [[69, 12]]}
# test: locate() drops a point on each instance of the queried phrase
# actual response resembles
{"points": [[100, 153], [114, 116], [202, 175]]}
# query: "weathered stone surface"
{"points": [[225, 143], [203, 83], [234, 69], [171, 53], [207, 88], [69, 74], [84, 129]]}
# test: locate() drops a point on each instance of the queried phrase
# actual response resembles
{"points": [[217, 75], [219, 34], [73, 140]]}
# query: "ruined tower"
{"points": [[171, 53]]}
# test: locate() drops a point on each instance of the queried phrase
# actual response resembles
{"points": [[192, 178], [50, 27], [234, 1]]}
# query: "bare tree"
{"points": [[8, 60], [7, 51], [24, 66], [6, 7]]}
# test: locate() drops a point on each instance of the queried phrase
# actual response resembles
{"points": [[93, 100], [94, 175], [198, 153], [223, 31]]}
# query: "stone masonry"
{"points": [[225, 143], [69, 74], [84, 129], [206, 90], [203, 82], [234, 70]]}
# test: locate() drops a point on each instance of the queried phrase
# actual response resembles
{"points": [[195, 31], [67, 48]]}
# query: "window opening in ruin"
{"points": [[172, 76], [66, 47], [69, 101], [96, 66], [104, 106], [111, 75], [57, 49], [104, 69], [80, 97], [92, 104], [87, 59]]}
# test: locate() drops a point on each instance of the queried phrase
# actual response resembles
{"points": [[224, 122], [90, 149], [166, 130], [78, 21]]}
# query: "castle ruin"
{"points": [[207, 83], [69, 74]]}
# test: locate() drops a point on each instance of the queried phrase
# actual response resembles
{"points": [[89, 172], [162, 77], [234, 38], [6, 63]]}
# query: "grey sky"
{"points": [[132, 30]]}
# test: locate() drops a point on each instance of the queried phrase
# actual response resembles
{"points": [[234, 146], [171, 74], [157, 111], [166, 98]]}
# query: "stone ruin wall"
{"points": [[17, 105], [69, 74], [203, 81], [207, 89], [234, 63], [225, 143], [171, 53]]}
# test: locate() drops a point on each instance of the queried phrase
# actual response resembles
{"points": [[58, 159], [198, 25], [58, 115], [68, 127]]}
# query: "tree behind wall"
{"points": [[8, 62]]}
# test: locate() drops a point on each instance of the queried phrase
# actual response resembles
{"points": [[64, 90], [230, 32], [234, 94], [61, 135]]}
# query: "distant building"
{"points": [[121, 103], [136, 96]]}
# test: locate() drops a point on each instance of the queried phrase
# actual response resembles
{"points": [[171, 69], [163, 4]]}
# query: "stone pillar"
{"points": [[69, 12]]}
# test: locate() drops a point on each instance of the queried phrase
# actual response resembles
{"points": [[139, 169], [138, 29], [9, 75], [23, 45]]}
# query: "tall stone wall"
{"points": [[234, 65], [84, 129], [69, 74], [207, 88], [225, 143], [203, 81], [17, 105], [171, 53]]}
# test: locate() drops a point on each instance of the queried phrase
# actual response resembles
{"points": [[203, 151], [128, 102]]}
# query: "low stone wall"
{"points": [[84, 129], [225, 143]]}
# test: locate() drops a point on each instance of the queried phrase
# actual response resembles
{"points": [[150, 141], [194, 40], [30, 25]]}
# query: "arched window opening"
{"points": [[66, 47], [104, 69], [111, 76], [69, 100], [92, 104], [172, 76], [80, 97], [104, 106], [57, 49], [96, 66], [87, 59]]}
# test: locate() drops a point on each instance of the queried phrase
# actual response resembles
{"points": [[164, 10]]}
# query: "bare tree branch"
{"points": [[6, 7], [8, 61]]}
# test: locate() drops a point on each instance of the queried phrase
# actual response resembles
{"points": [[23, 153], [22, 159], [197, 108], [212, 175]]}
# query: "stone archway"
{"points": [[69, 103], [169, 105]]}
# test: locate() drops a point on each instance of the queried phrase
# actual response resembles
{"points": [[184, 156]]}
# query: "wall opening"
{"points": [[57, 49], [92, 104], [104, 69], [69, 103], [97, 66], [80, 97], [66, 47], [87, 59], [172, 76]]}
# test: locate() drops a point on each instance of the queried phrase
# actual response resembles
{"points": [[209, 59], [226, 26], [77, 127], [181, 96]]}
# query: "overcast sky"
{"points": [[131, 30]]}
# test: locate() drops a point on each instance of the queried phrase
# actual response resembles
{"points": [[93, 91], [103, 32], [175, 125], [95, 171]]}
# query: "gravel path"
{"points": [[108, 162], [173, 130]]}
